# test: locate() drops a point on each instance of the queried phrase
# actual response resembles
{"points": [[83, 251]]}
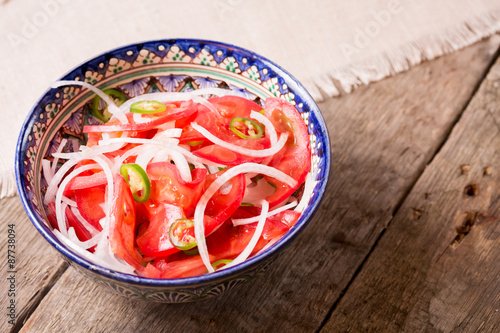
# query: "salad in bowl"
{"points": [[173, 170]]}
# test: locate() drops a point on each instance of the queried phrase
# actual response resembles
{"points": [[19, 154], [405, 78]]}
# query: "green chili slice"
{"points": [[179, 234], [246, 128], [138, 181], [148, 107], [100, 110], [221, 263]]}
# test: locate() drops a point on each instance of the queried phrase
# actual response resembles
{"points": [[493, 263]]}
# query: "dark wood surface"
{"points": [[406, 239]]}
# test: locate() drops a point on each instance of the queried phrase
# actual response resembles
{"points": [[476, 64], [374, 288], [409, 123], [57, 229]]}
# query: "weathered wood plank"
{"points": [[437, 267], [382, 137], [37, 265]]}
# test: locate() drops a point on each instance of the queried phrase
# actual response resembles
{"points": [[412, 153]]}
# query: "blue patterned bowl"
{"points": [[161, 65]]}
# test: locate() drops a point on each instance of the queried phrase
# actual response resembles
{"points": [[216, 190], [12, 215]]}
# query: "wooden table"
{"points": [[406, 239]]}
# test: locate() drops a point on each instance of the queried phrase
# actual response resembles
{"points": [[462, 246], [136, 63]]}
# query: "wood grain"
{"points": [[37, 264], [437, 268], [382, 138]]}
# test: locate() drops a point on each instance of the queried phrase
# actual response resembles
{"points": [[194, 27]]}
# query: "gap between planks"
{"points": [[405, 195]]}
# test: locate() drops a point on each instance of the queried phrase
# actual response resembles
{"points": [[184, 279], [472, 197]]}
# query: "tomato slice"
{"points": [[295, 157], [89, 203], [222, 206], [122, 224], [168, 186]]}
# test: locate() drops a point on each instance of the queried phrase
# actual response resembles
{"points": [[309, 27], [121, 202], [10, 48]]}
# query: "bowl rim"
{"points": [[217, 276]]}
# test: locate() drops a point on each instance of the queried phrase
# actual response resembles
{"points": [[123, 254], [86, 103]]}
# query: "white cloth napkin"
{"points": [[354, 42]]}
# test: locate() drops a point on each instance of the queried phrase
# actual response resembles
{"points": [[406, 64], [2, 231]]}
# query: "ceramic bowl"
{"points": [[161, 65]]}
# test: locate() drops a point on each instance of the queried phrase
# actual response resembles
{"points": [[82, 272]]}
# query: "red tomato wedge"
{"points": [[168, 186], [89, 203], [222, 206], [122, 224], [295, 157]]}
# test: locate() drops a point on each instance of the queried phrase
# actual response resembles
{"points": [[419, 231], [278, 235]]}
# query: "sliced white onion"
{"points": [[182, 165], [112, 108], [139, 119], [162, 156], [68, 201], [85, 244], [268, 245], [249, 220], [52, 187], [109, 177], [199, 229], [94, 259], [192, 158], [212, 169], [309, 185], [168, 133], [262, 189], [170, 142], [255, 237], [61, 222], [90, 228], [47, 171], [119, 159], [273, 136], [244, 151], [166, 126], [92, 151], [56, 159], [145, 156]]}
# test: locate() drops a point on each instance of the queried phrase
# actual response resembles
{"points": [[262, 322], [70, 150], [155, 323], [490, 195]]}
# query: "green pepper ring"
{"points": [[249, 124], [223, 262], [116, 94], [148, 107], [137, 179], [179, 243]]}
